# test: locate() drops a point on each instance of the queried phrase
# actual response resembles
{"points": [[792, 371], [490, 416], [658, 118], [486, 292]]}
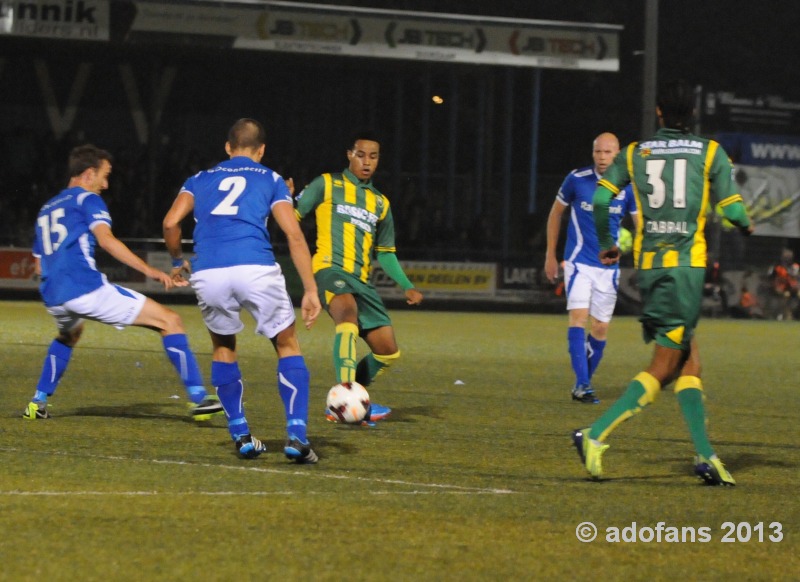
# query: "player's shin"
{"points": [[642, 390], [55, 364], [227, 379], [594, 353], [293, 382], [576, 341], [689, 393], [344, 352], [183, 360]]}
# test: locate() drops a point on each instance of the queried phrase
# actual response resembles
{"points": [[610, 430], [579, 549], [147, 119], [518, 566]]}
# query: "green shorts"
{"points": [[671, 300], [371, 310]]}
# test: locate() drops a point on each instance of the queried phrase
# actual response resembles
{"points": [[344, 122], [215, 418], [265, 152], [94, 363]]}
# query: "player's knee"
{"points": [[286, 343], [691, 367], [578, 317], [171, 322], [599, 330], [70, 338]]}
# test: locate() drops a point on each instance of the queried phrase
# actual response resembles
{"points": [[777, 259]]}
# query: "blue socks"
{"points": [[55, 364], [293, 380], [182, 358], [585, 354], [576, 339], [594, 353], [227, 378]]}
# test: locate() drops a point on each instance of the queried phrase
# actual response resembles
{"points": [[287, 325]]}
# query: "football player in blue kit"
{"points": [[68, 228], [591, 287], [234, 268]]}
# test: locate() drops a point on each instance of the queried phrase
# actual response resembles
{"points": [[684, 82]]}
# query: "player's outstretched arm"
{"points": [[391, 266], [117, 249], [310, 306], [734, 210], [600, 203], [553, 229], [171, 225]]}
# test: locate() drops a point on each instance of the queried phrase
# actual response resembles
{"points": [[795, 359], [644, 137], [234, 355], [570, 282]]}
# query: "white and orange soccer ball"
{"points": [[348, 403]]}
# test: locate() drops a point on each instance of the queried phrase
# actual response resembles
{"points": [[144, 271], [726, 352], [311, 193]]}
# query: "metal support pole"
{"points": [[534, 161], [649, 77], [425, 141], [452, 148], [508, 151]]}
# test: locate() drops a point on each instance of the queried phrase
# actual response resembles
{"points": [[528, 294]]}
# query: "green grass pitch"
{"points": [[472, 478]]}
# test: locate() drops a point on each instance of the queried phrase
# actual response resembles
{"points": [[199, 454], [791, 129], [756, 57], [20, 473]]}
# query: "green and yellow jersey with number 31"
{"points": [[676, 178]]}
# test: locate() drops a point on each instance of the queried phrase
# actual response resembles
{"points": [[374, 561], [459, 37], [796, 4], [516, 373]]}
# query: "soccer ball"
{"points": [[348, 402], [625, 243]]}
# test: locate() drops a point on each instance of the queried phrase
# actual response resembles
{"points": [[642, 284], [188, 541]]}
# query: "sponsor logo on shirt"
{"points": [[237, 170], [671, 146], [590, 208], [361, 217]]}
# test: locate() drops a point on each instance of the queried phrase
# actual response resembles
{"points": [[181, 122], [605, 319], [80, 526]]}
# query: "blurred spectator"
{"points": [[784, 284], [714, 286], [748, 307]]}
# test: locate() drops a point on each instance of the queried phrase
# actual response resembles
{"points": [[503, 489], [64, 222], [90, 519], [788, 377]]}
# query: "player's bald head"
{"points": [[604, 148], [246, 134], [606, 140]]}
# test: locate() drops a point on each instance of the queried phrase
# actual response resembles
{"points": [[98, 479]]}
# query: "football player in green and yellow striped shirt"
{"points": [[354, 221], [676, 177]]}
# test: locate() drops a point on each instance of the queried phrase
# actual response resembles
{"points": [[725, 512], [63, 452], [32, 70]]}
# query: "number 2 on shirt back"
{"points": [[234, 185]]}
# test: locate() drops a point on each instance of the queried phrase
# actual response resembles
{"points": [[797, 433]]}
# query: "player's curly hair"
{"points": [[83, 157], [362, 134], [676, 101], [246, 133]]}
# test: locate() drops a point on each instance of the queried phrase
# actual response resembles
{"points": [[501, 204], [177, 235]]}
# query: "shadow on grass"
{"points": [[719, 445], [101, 348], [148, 410], [749, 460], [406, 413], [322, 445], [678, 477]]}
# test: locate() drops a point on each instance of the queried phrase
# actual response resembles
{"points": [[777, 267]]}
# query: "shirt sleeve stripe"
{"points": [[731, 200], [608, 186]]}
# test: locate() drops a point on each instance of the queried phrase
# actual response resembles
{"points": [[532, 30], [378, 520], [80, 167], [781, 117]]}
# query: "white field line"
{"points": [[420, 488], [217, 493]]}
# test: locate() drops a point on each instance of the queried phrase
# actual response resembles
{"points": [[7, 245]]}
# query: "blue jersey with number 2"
{"points": [[65, 244], [232, 202]]}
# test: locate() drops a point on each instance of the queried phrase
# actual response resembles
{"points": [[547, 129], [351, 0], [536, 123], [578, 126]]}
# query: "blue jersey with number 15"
{"points": [[65, 244], [232, 202]]}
